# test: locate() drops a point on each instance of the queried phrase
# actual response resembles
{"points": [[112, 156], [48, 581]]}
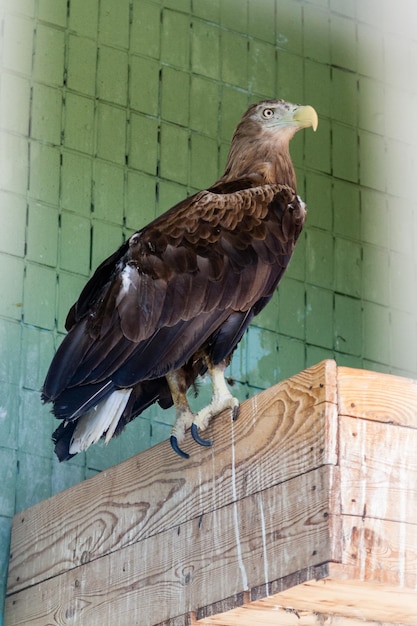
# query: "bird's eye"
{"points": [[268, 113]]}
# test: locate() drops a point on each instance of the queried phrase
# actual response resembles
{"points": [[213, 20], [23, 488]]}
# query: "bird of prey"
{"points": [[172, 303]]}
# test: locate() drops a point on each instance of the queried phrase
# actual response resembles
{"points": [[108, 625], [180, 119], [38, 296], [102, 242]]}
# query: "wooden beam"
{"points": [[329, 601], [375, 396], [282, 432], [315, 480], [239, 546]]}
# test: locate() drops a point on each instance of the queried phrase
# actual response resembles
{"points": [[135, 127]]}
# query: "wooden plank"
{"points": [[375, 396], [380, 550], [255, 615], [262, 537], [378, 470], [351, 599], [282, 432]]}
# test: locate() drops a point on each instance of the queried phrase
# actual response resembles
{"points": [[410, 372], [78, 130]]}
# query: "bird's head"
{"points": [[260, 144], [281, 117]]}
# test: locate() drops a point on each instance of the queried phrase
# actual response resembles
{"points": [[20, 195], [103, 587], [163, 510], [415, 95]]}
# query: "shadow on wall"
{"points": [[387, 169]]}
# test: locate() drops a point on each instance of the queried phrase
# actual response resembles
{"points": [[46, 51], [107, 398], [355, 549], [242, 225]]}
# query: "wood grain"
{"points": [[375, 396], [282, 432], [262, 537], [354, 599], [378, 470], [380, 550], [317, 478]]}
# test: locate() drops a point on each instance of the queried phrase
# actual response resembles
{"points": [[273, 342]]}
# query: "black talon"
{"points": [[174, 445], [197, 438], [235, 412]]}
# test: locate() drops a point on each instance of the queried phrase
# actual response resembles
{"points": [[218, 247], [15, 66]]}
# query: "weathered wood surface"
{"points": [[380, 550], [282, 432], [318, 474], [375, 396], [262, 536], [331, 601]]}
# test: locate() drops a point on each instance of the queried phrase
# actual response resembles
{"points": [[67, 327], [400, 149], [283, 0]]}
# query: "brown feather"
{"points": [[165, 297]]}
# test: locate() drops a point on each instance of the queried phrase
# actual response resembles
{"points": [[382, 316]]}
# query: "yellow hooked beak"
{"points": [[306, 116]]}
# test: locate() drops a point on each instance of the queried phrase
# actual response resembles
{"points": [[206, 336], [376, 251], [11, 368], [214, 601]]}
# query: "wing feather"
{"points": [[151, 305]]}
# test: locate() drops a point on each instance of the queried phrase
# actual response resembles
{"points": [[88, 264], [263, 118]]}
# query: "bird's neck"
{"points": [[265, 162]]}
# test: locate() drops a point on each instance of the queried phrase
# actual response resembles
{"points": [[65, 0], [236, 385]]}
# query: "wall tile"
{"points": [[37, 351], [44, 172], [106, 239], [141, 200], [79, 123], [46, 114], [69, 289], [203, 160], [11, 285], [82, 65], [204, 106], [262, 68], [144, 85], [8, 461], [13, 224], [205, 45], [111, 133], [14, 103], [319, 316], [29, 492], [292, 308], [143, 143], [145, 29], [75, 243], [18, 44], [348, 325], [49, 57], [112, 75], [76, 183], [9, 411], [234, 15], [376, 331], [347, 267], [108, 192], [344, 152], [346, 202], [113, 23], [14, 158], [234, 59], [372, 161], [316, 34], [175, 98], [83, 17], [261, 23], [174, 153], [10, 346], [39, 296], [42, 234], [53, 11], [319, 258], [175, 43]]}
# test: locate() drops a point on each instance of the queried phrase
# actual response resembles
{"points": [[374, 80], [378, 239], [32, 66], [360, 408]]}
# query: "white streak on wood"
{"points": [[236, 517], [264, 544]]}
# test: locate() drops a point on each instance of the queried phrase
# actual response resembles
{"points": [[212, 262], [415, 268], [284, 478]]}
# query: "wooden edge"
{"points": [[377, 396], [256, 593], [286, 430], [370, 600], [266, 535]]}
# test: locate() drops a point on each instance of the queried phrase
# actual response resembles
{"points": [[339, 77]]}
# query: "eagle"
{"points": [[172, 303]]}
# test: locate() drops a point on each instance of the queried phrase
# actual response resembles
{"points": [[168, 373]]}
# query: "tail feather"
{"points": [[101, 419]]}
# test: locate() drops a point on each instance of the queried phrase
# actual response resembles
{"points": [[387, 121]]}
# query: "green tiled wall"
{"points": [[113, 110]]}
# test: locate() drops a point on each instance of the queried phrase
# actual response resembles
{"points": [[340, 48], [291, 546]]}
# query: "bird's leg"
{"points": [[222, 399], [183, 414]]}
